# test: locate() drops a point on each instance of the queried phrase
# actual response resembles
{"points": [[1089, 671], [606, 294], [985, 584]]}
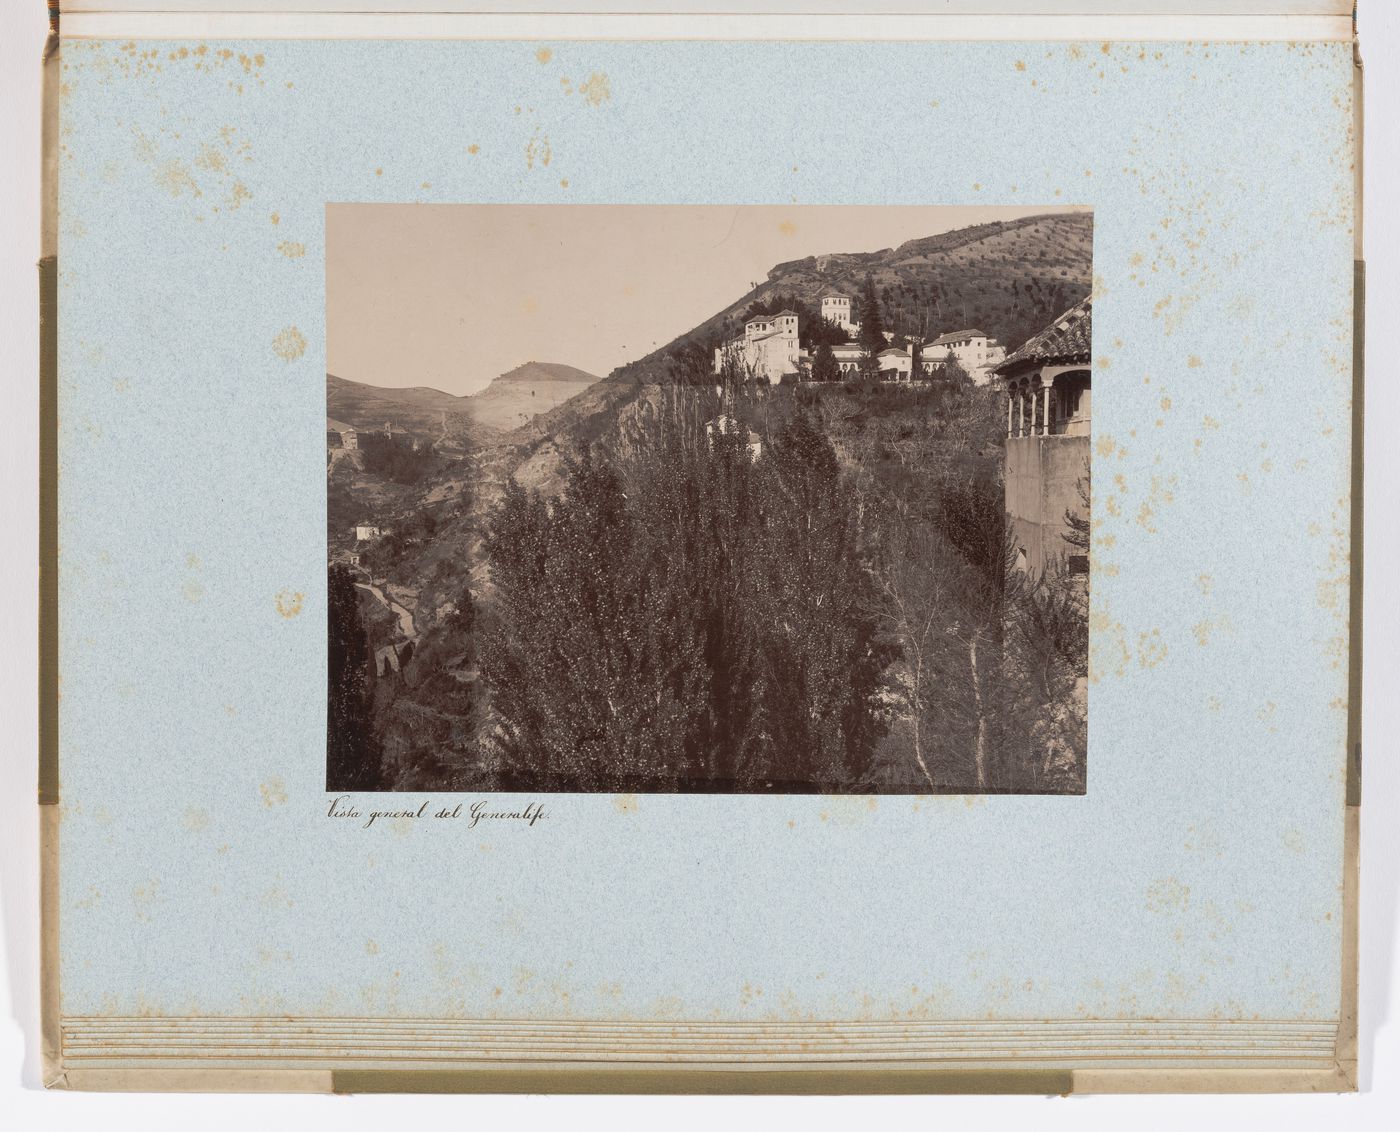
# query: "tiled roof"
{"points": [[956, 336], [333, 425], [786, 314], [1066, 341], [893, 352]]}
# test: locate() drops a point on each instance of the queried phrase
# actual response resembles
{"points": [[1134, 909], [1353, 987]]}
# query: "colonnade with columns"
{"points": [[1033, 403], [1029, 407]]}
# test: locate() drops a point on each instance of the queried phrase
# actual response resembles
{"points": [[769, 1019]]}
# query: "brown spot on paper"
{"points": [[1108, 646], [289, 603], [175, 178], [289, 344], [142, 897], [1151, 649], [273, 793], [1169, 895], [210, 160], [596, 90], [537, 149]]}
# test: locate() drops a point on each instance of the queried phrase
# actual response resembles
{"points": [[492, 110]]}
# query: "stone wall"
{"points": [[1042, 482]]}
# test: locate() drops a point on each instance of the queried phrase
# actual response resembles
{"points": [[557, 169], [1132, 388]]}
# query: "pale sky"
{"points": [[450, 296]]}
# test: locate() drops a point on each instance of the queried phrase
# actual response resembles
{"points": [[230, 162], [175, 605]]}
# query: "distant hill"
{"points": [[510, 401], [1009, 278], [418, 409], [363, 405], [517, 397], [537, 373]]}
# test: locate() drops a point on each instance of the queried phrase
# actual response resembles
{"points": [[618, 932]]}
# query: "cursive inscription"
{"points": [[344, 808]]}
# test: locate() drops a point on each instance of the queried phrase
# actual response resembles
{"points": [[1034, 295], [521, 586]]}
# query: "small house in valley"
{"points": [[341, 435]]}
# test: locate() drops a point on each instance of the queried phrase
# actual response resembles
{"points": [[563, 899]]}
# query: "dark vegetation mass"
{"points": [[839, 614]]}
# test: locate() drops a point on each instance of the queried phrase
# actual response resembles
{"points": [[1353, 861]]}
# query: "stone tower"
{"points": [[837, 308]]}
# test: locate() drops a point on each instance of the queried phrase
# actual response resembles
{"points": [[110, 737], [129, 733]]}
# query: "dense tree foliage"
{"points": [[760, 589], [824, 365], [872, 325], [395, 458], [352, 759], [694, 618]]}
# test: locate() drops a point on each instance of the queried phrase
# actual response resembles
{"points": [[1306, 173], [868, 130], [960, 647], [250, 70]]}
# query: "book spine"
{"points": [[48, 781]]}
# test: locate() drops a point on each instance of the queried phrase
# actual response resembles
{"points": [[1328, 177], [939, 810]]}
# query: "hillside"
{"points": [[515, 398], [366, 405], [1008, 278], [542, 373], [425, 412], [511, 400]]}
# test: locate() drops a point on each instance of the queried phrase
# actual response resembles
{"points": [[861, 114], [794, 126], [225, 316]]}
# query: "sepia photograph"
{"points": [[746, 499]]}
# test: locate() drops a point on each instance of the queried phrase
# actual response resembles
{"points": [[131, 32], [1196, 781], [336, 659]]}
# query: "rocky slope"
{"points": [[515, 398]]}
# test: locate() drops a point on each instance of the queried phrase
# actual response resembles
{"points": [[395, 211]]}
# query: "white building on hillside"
{"points": [[725, 425], [769, 346], [973, 350], [837, 308], [848, 357], [770, 349], [896, 364]]}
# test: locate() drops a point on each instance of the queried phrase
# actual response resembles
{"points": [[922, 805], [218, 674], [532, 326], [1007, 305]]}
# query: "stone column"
{"points": [[1045, 414], [1010, 402], [1021, 412]]}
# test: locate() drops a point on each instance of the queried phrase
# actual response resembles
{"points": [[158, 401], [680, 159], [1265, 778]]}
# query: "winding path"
{"points": [[406, 626]]}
